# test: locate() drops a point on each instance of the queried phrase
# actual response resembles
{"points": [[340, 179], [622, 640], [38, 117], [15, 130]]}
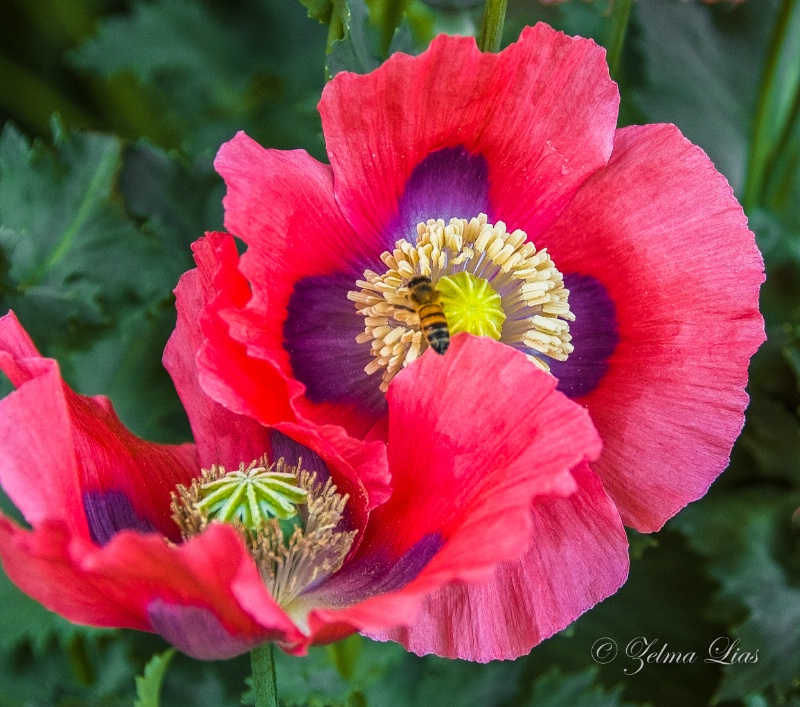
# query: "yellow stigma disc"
{"points": [[471, 304]]}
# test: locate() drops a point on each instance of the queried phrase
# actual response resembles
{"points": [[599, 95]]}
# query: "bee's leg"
{"points": [[407, 309]]}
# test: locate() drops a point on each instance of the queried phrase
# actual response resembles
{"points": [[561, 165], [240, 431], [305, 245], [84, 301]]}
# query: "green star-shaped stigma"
{"points": [[251, 496]]}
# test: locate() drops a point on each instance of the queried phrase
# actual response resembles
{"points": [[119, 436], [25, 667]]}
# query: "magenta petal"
{"points": [[133, 579], [661, 230], [595, 335], [459, 506], [320, 336], [578, 557], [196, 631], [448, 183], [540, 115], [90, 471], [221, 436]]}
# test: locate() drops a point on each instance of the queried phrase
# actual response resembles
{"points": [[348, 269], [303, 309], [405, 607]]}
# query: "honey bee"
{"points": [[425, 300]]}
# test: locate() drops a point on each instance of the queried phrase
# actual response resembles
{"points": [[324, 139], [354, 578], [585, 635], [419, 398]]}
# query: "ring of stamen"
{"points": [[534, 299], [292, 551]]}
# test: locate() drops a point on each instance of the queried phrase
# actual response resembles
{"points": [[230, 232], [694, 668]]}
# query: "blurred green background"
{"points": [[112, 111]]}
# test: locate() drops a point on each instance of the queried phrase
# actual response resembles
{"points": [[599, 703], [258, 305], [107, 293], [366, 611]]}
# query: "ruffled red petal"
{"points": [[514, 134], [459, 505], [281, 204], [138, 581], [578, 556], [222, 437], [68, 457], [660, 229], [246, 384], [541, 113]]}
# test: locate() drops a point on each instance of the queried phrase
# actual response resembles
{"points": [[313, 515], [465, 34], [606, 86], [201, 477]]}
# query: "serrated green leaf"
{"points": [[174, 199], [126, 366], [314, 680], [61, 230], [402, 39], [746, 536], [358, 50], [573, 690], [209, 70], [319, 9], [437, 681], [148, 686], [94, 239]]}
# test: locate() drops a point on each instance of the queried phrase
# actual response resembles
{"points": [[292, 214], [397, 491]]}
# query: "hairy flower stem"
{"points": [[265, 687], [494, 16], [620, 18], [759, 144]]}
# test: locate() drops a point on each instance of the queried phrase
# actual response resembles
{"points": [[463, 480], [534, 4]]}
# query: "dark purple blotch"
{"points": [[108, 512], [595, 335], [449, 183], [376, 571], [320, 337], [292, 452], [322, 324], [196, 631]]}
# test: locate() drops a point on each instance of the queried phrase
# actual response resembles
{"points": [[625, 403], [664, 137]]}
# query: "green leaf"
{"points": [[358, 50], [402, 39], [319, 679], [208, 69], [62, 229], [93, 238], [746, 537], [148, 686], [437, 681], [573, 690], [319, 9], [710, 66], [126, 366]]}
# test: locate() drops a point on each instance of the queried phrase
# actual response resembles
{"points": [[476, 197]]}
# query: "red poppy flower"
{"points": [[104, 548], [662, 272]]}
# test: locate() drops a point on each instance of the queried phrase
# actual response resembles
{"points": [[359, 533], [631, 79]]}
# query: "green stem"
{"points": [[620, 18], [781, 148], [759, 146], [265, 687], [494, 16], [79, 659]]}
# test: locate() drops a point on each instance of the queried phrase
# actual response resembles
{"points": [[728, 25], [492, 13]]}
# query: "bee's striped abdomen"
{"points": [[434, 326], [425, 298]]}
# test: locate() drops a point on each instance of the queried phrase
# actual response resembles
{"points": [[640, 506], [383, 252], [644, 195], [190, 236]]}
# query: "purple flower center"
{"points": [[493, 282]]}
